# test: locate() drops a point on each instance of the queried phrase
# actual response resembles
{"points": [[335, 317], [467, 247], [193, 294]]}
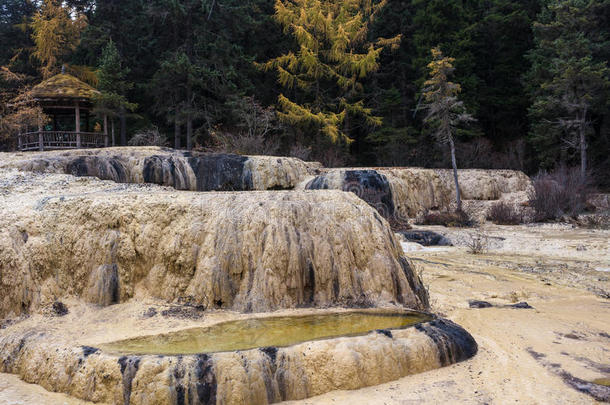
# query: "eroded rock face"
{"points": [[178, 169], [402, 193], [255, 377], [255, 251]]}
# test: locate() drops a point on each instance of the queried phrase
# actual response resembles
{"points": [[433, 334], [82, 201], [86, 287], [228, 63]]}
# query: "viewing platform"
{"points": [[56, 140], [68, 104]]}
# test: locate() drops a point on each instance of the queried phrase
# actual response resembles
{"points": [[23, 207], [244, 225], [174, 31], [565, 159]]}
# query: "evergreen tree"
{"points": [[500, 38], [113, 86], [169, 90], [325, 74], [445, 112], [570, 82]]}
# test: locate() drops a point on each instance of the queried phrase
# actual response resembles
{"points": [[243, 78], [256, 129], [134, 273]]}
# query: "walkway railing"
{"points": [[53, 140]]}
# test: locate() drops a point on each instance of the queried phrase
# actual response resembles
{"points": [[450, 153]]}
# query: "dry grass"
{"points": [[457, 219], [478, 243], [561, 192], [502, 213]]}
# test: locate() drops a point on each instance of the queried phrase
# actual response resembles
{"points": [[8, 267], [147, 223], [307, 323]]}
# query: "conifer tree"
{"points": [[113, 86], [56, 34], [570, 82], [445, 112], [323, 77]]}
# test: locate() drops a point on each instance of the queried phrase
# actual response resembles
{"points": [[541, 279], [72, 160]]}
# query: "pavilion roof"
{"points": [[63, 86]]}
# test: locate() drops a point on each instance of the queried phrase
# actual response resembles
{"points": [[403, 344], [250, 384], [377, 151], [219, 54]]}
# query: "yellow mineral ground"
{"points": [[562, 272], [526, 356]]}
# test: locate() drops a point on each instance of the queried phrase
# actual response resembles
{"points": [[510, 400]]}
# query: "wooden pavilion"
{"points": [[67, 101]]}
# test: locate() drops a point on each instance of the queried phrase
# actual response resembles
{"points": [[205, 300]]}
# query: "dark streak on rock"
{"points": [[598, 392], [269, 371], [177, 383], [88, 350], [415, 283], [270, 351], [426, 238], [59, 308], [105, 168], [372, 187], [479, 304], [221, 172], [369, 185], [535, 354], [111, 283], [205, 381], [129, 368], [453, 342], [385, 332], [280, 377], [520, 305], [310, 285], [213, 172]]}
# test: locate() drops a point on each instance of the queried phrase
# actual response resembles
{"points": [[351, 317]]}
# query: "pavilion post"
{"points": [[77, 117], [105, 131], [20, 142], [40, 138]]}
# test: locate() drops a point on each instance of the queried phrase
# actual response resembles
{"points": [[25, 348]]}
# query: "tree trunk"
{"points": [[189, 84], [112, 131], [123, 119], [189, 131], [176, 133], [458, 197], [583, 146], [583, 155]]}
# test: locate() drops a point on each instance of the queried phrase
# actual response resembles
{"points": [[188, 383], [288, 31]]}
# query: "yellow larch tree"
{"points": [[56, 33], [323, 76]]}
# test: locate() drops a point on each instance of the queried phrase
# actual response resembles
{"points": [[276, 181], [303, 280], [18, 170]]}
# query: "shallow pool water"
{"points": [[263, 332]]}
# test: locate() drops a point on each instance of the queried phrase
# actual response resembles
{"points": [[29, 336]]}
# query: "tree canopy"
{"points": [[344, 77]]}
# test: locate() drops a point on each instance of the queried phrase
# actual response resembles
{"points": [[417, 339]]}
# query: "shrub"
{"points": [[398, 224], [300, 151], [595, 221], [148, 137], [477, 243], [561, 192], [255, 131], [243, 143], [502, 213], [446, 218]]}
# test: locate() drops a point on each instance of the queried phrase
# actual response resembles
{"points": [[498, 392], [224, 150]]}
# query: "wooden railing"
{"points": [[53, 140]]}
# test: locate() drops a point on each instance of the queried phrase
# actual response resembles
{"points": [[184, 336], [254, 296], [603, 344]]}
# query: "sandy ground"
{"points": [[525, 355]]}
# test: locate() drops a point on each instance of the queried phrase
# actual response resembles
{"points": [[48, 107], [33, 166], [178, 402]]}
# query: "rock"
{"points": [[368, 185], [479, 304], [398, 194], [194, 171], [521, 305], [255, 376], [59, 308], [248, 251], [149, 313], [184, 312], [425, 238], [413, 191]]}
